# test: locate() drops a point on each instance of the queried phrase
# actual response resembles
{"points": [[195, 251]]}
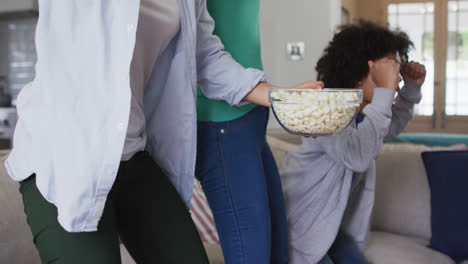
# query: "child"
{"points": [[329, 181]]}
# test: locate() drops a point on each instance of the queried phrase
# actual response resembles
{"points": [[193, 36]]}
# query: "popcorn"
{"points": [[314, 112]]}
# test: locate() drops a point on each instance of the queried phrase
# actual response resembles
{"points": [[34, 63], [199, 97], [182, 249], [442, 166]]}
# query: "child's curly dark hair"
{"points": [[344, 62]]}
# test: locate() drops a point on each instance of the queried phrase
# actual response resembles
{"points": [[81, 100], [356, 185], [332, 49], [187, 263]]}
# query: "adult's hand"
{"points": [[310, 85], [259, 95]]}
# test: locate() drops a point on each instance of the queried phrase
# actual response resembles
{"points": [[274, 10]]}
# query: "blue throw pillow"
{"points": [[448, 179]]}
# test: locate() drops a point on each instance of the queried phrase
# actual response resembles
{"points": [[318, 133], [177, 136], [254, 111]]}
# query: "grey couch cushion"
{"points": [[284, 136], [126, 258], [402, 196], [387, 248], [215, 254], [280, 149]]}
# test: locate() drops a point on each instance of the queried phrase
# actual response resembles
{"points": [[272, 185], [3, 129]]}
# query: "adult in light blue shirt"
{"points": [[74, 116]]}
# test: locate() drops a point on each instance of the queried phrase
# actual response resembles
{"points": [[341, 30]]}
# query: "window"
{"points": [[17, 51], [457, 59], [417, 19], [439, 30]]}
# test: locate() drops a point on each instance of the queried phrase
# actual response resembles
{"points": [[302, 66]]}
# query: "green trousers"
{"points": [[143, 209]]}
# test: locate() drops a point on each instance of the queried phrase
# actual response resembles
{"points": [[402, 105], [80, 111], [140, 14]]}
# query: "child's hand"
{"points": [[385, 73], [413, 72]]}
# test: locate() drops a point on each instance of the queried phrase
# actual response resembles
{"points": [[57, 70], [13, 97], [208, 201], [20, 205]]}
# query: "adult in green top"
{"points": [[234, 164]]}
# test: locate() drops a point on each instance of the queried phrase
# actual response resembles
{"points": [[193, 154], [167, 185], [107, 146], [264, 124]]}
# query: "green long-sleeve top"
{"points": [[237, 25]]}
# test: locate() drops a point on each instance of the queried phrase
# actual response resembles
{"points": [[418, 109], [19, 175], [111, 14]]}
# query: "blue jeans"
{"points": [[344, 251], [240, 179]]}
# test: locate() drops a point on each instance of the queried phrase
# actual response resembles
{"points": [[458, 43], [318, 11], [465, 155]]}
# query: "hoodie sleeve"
{"points": [[403, 110]]}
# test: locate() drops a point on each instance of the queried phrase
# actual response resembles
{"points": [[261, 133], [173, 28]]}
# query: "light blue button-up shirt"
{"points": [[73, 117]]}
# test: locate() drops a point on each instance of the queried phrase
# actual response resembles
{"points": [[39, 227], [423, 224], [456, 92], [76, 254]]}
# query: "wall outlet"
{"points": [[296, 50]]}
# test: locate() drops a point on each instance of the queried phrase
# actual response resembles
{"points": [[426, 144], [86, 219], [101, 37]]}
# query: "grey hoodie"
{"points": [[329, 182]]}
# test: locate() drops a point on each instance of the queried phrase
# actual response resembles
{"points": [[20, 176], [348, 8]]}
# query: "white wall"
{"points": [[310, 21]]}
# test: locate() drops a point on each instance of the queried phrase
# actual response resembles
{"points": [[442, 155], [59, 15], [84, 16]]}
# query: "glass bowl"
{"points": [[310, 112]]}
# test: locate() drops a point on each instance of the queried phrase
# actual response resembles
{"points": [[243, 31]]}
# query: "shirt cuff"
{"points": [[411, 92], [246, 85]]}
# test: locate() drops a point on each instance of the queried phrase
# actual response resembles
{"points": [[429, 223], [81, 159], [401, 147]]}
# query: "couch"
{"points": [[400, 224]]}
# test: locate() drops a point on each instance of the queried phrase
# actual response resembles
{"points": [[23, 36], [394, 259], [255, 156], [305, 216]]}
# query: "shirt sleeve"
{"points": [[403, 110], [219, 76], [356, 148]]}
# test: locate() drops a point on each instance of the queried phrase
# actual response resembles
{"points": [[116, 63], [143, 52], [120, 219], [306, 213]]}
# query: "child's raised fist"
{"points": [[413, 72]]}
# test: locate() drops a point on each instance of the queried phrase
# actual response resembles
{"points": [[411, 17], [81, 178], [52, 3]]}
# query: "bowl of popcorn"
{"points": [[310, 112]]}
